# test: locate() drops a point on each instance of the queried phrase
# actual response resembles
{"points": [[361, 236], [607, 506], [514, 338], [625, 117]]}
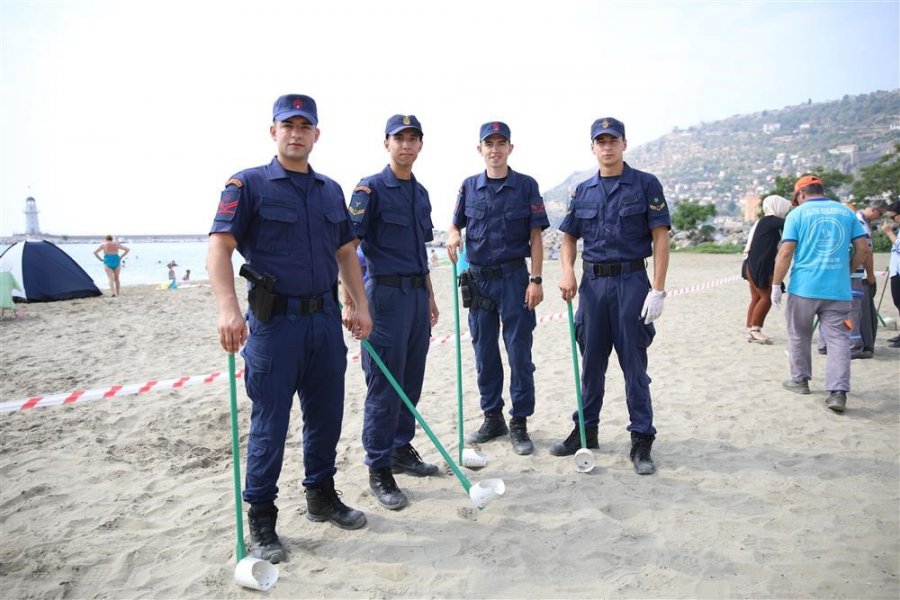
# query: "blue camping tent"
{"points": [[45, 273]]}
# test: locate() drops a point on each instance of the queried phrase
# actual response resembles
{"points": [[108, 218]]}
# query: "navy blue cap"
{"points": [[608, 125], [295, 105], [398, 123], [495, 128]]}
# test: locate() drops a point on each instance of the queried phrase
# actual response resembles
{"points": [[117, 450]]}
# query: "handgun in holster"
{"points": [[472, 298], [465, 288], [262, 295]]}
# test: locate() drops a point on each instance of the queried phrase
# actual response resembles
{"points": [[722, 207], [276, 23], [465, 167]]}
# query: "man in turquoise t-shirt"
{"points": [[816, 236]]}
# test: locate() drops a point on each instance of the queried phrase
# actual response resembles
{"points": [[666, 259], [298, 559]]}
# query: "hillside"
{"points": [[724, 161]]}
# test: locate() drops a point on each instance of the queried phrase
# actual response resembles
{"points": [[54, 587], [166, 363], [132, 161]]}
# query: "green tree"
{"points": [[879, 179], [833, 179], [690, 215]]}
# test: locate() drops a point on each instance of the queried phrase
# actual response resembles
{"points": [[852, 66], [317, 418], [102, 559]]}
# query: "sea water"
{"points": [[146, 262]]}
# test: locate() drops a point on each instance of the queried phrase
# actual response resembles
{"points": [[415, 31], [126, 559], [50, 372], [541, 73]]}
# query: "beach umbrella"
{"points": [[584, 458], [250, 572], [467, 457]]}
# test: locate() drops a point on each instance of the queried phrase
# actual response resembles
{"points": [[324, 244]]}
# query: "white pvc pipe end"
{"points": [[473, 460], [255, 573], [584, 460], [484, 491]]}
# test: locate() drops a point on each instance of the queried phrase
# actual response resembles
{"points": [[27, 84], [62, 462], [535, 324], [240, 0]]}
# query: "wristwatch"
{"points": [[536, 279]]}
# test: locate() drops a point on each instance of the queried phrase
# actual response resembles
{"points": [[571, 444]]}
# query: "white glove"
{"points": [[777, 292], [653, 305]]}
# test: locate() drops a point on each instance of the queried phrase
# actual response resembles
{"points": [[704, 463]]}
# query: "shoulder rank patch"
{"points": [[228, 204], [657, 205], [235, 182], [359, 201]]}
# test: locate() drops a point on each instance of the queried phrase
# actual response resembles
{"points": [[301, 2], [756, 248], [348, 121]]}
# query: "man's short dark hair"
{"points": [[814, 189]]}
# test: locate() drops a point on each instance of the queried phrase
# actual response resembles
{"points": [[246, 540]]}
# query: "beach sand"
{"points": [[759, 493]]}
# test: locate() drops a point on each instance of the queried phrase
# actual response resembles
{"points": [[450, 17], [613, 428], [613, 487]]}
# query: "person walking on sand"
{"points": [[761, 248], [622, 215], [391, 213], [112, 262], [814, 248], [291, 225], [503, 214]]}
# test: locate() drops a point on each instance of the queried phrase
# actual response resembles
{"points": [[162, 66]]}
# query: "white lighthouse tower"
{"points": [[32, 229]]}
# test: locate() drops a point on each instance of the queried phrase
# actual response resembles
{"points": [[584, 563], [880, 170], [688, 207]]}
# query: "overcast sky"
{"points": [[127, 117]]}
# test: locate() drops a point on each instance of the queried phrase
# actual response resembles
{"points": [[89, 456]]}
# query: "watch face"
{"points": [[538, 280]]}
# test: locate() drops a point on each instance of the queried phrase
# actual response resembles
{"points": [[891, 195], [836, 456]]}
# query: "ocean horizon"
{"points": [[146, 262]]}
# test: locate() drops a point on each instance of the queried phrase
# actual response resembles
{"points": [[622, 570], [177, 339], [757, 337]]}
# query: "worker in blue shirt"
{"points": [[291, 226], [503, 214], [622, 216], [391, 214]]}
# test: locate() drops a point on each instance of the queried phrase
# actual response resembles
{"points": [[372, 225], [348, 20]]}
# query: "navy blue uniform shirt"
{"points": [[392, 217], [286, 224], [616, 226], [499, 223]]}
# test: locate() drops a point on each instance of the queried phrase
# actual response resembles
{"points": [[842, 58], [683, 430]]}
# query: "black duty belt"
{"points": [[305, 306], [398, 281], [497, 272], [614, 269]]}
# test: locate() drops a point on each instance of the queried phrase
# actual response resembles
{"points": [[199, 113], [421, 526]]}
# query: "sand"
{"points": [[759, 493]]}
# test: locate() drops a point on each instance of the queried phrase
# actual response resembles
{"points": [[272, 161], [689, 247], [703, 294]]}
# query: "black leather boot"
{"points": [[494, 426], [518, 434], [264, 541], [640, 453], [572, 444], [323, 503], [385, 489], [405, 459]]}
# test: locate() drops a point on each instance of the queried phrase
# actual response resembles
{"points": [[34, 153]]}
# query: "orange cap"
{"points": [[805, 181]]}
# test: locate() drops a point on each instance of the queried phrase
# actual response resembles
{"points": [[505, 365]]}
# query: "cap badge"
{"points": [[604, 123], [298, 103], [406, 120], [495, 127]]}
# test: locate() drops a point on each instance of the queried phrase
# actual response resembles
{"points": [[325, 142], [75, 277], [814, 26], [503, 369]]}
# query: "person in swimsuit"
{"points": [[112, 262]]}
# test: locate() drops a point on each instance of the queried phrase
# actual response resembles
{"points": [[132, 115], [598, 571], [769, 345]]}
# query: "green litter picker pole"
{"points": [[240, 550], [459, 398]]}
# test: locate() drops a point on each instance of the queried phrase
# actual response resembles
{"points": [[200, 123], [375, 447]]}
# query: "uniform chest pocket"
{"points": [[633, 216], [395, 229], [476, 223], [333, 221], [586, 218], [278, 224], [515, 220]]}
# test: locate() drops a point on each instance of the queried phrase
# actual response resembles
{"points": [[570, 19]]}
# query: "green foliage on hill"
{"points": [[881, 179], [689, 216]]}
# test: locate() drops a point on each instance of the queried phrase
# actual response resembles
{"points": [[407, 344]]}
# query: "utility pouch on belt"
{"points": [[262, 295], [465, 287]]}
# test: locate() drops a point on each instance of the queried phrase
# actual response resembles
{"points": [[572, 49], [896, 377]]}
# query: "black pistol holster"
{"points": [[465, 288], [470, 296], [262, 295]]}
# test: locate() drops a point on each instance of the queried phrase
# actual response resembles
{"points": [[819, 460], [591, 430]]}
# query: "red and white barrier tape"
{"points": [[118, 391]]}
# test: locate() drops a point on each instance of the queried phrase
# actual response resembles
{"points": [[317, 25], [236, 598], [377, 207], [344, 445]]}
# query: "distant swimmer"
{"points": [[112, 262]]}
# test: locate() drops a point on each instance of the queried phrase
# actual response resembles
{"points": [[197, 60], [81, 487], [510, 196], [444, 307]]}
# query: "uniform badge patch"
{"points": [[657, 205], [228, 203], [235, 182], [359, 201]]}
